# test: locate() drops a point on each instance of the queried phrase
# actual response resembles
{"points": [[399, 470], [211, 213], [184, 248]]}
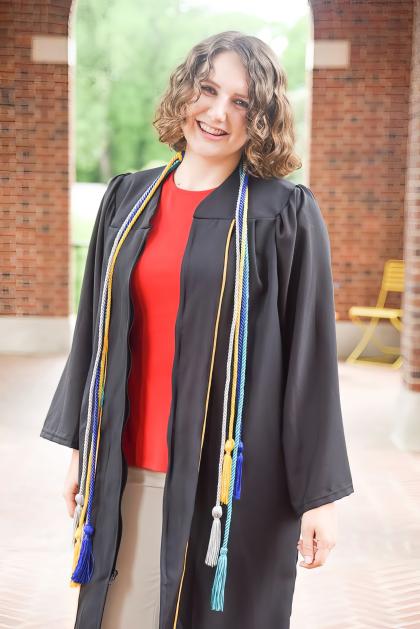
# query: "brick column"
{"points": [[365, 167], [361, 82], [34, 176], [406, 432]]}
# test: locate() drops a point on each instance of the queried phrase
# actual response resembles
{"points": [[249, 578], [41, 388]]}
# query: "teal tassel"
{"points": [[238, 472], [218, 590], [84, 569]]}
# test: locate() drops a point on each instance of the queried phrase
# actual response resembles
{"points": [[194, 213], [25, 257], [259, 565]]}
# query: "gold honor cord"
{"points": [[215, 337], [78, 534], [230, 443]]}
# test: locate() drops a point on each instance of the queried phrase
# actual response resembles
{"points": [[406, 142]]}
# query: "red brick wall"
{"points": [[34, 158], [358, 150], [411, 336], [359, 141]]}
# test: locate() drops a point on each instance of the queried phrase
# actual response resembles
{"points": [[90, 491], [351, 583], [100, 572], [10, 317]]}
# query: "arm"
{"points": [[317, 465], [61, 424]]}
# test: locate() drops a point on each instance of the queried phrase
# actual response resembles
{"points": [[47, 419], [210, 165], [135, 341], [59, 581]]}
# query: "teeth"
{"points": [[210, 129]]}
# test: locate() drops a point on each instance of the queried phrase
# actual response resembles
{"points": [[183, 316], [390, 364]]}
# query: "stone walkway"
{"points": [[372, 576]]}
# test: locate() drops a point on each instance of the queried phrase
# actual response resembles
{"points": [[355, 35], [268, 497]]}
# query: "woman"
{"points": [[256, 454]]}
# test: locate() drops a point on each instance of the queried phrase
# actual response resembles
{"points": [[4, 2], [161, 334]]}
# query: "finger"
{"points": [[307, 546], [319, 559], [306, 564], [322, 549], [306, 559], [70, 504]]}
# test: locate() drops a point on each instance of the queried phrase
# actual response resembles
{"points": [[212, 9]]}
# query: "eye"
{"points": [[242, 103], [207, 87]]}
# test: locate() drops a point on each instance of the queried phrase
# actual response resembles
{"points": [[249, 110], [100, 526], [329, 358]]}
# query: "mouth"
{"points": [[210, 131]]}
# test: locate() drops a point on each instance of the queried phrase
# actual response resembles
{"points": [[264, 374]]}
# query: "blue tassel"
{"points": [[238, 472], [218, 590], [84, 569]]}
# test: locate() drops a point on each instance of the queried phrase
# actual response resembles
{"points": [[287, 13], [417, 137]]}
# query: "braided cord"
{"points": [[229, 360], [83, 561], [218, 589], [224, 472], [99, 374]]}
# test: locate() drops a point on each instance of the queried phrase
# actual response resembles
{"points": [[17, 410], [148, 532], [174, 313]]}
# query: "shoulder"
{"points": [[268, 198], [140, 179], [276, 197], [124, 186]]}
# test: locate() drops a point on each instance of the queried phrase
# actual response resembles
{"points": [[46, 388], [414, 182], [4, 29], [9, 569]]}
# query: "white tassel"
{"points": [[215, 537]]}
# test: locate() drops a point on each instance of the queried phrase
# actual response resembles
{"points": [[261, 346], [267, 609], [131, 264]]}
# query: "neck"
{"points": [[196, 172]]}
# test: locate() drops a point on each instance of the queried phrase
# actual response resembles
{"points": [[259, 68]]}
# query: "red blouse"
{"points": [[154, 286]]}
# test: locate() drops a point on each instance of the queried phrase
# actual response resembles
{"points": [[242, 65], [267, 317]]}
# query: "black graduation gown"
{"points": [[295, 455]]}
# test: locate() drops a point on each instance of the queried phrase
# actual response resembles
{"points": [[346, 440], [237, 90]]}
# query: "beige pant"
{"points": [[133, 597]]}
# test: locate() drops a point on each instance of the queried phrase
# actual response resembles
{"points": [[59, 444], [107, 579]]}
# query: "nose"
{"points": [[218, 109]]}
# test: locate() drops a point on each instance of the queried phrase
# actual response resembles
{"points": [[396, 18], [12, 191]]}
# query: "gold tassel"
{"points": [[76, 550], [227, 471]]}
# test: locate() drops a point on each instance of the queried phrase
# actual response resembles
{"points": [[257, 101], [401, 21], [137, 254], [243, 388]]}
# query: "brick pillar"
{"points": [[34, 178], [360, 92], [406, 433], [365, 166]]}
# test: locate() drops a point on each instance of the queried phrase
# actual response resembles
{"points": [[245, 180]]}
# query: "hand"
{"points": [[71, 486], [318, 535]]}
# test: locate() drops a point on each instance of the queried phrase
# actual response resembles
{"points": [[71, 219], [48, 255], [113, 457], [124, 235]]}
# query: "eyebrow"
{"points": [[216, 84]]}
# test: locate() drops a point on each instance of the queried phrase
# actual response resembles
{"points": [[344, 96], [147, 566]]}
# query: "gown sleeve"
{"points": [[61, 424], [315, 453]]}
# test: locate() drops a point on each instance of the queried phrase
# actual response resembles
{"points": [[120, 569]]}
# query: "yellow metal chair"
{"points": [[392, 281]]}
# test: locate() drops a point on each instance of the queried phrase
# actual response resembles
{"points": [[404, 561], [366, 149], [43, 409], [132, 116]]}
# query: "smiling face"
{"points": [[216, 124]]}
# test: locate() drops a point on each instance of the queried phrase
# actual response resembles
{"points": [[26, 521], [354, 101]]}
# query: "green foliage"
{"points": [[126, 51]]}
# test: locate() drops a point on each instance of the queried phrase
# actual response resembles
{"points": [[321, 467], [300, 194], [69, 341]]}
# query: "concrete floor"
{"points": [[372, 576]]}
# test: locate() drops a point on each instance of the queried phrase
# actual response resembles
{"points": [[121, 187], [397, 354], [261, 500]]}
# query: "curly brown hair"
{"points": [[269, 150]]}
